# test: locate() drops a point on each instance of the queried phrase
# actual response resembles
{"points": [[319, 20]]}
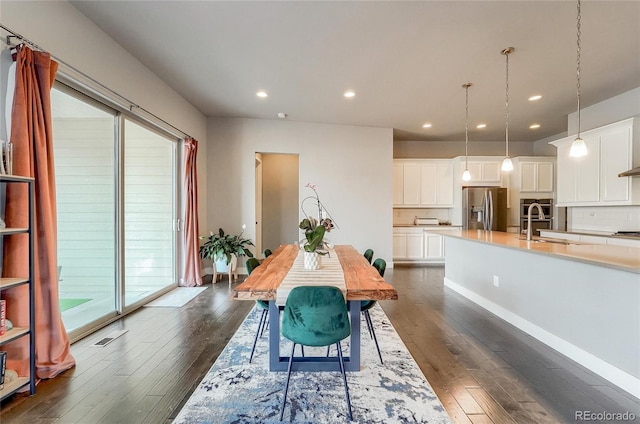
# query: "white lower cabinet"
{"points": [[407, 244], [434, 246], [399, 246], [419, 245], [414, 246]]}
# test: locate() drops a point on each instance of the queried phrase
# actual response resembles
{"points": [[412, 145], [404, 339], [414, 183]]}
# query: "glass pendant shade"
{"points": [[507, 165], [578, 148], [466, 175]]}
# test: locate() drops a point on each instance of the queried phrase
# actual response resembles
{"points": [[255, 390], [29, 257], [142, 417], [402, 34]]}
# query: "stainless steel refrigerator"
{"points": [[484, 208]]}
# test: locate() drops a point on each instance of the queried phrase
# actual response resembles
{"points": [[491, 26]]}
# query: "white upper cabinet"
{"points": [[422, 183], [437, 183], [536, 177], [486, 172], [593, 180], [412, 180], [398, 183], [615, 154]]}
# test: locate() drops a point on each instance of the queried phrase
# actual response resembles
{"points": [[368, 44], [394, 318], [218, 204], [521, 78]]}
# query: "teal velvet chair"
{"points": [[381, 265], [251, 264], [267, 253], [316, 316], [368, 254]]}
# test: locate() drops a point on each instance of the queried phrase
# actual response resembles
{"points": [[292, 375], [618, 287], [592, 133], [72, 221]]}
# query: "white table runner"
{"points": [[329, 274]]}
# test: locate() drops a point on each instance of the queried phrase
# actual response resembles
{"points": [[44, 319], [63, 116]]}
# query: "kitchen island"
{"points": [[581, 299]]}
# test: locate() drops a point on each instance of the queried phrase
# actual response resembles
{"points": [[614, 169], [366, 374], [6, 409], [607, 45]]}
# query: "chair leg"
{"points": [[373, 331], [328, 350], [255, 339], [265, 323], [286, 386], [344, 380], [366, 313]]}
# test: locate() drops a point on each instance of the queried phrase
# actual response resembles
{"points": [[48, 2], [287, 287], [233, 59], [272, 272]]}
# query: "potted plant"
{"points": [[223, 249], [314, 242]]}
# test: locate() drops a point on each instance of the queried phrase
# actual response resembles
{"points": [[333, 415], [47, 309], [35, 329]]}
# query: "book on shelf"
{"points": [[6, 164], [3, 366], [3, 317]]}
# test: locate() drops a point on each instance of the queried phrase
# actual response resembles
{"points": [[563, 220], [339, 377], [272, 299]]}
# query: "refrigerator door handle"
{"points": [[485, 207], [490, 218]]}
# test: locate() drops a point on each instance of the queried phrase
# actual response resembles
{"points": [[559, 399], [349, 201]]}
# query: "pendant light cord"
{"points": [[506, 107], [466, 126], [578, 64]]}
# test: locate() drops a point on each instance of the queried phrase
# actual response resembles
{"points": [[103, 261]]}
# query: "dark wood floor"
{"points": [[482, 369]]}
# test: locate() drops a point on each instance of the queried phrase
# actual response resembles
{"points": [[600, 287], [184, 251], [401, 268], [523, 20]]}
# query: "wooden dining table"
{"points": [[361, 282]]}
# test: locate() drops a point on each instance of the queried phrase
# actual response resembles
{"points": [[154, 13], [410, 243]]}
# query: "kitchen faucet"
{"points": [[540, 216]]}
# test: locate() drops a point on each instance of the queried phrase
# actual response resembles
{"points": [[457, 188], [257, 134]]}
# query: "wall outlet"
{"points": [[496, 281]]}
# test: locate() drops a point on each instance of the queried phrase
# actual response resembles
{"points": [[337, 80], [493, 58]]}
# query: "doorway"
{"points": [[277, 200]]}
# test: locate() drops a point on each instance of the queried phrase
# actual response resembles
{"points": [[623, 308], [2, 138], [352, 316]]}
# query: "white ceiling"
{"points": [[406, 61]]}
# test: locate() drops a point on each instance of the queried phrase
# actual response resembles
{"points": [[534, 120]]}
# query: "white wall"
{"points": [[606, 112], [350, 165], [605, 218], [543, 148], [452, 149], [67, 34]]}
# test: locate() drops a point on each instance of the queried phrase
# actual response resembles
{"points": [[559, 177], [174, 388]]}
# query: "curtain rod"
{"points": [[132, 105]]}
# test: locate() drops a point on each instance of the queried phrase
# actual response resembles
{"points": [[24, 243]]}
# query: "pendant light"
{"points": [[578, 147], [507, 165], [466, 175]]}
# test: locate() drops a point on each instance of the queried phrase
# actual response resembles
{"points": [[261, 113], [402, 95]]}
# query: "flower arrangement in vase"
{"points": [[315, 246], [314, 242]]}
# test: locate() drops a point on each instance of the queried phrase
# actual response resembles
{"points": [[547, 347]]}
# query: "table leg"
{"points": [[274, 337], [354, 356]]}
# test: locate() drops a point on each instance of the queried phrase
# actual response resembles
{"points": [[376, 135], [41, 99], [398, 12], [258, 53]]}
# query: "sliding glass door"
{"points": [[149, 216], [116, 204], [84, 153]]}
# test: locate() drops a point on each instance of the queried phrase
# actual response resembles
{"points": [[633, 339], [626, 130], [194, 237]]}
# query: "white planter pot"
{"points": [[312, 260], [221, 264]]}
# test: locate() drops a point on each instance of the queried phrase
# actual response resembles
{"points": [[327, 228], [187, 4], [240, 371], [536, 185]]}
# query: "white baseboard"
{"points": [[620, 378]]}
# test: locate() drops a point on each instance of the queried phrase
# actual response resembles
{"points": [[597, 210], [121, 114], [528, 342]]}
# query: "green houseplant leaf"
{"points": [[219, 245], [314, 238]]}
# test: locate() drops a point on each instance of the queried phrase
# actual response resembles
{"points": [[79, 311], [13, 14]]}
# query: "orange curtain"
{"points": [[32, 139], [191, 246]]}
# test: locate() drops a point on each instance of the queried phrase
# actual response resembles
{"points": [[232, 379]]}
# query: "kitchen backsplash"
{"points": [[607, 218], [406, 216]]}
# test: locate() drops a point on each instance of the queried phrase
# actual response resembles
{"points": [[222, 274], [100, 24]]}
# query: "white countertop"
{"points": [[431, 227], [591, 233], [616, 257]]}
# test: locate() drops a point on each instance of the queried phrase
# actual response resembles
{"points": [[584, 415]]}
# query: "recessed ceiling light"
{"points": [[534, 98], [349, 94], [426, 125], [481, 126], [534, 126], [262, 93]]}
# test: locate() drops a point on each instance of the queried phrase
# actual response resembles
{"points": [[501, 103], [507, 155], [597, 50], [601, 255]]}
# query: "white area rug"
{"points": [[234, 391], [177, 297]]}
